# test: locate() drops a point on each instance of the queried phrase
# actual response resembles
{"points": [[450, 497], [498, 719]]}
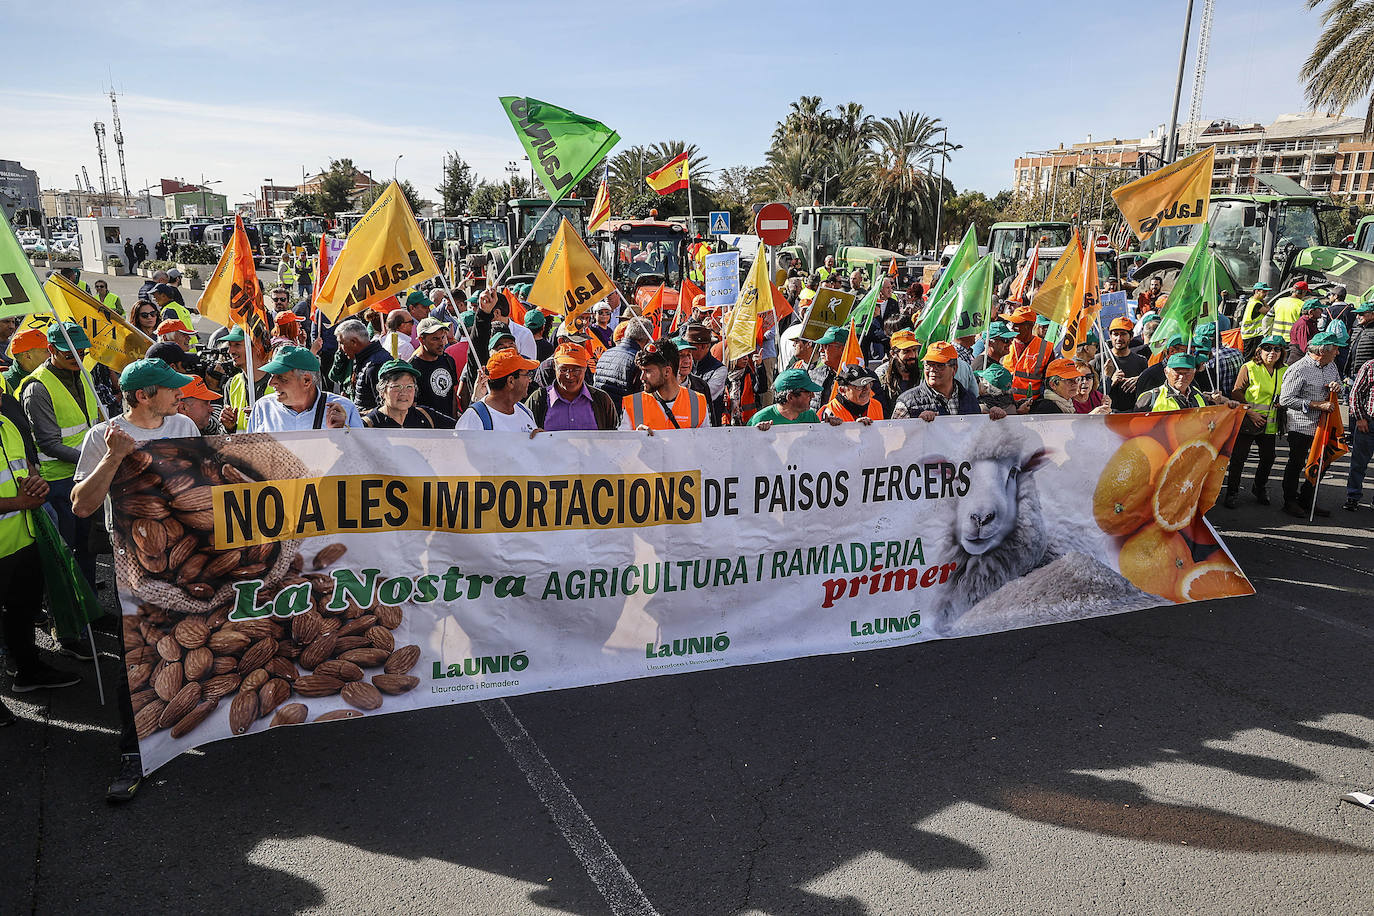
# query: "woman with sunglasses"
{"points": [[1257, 387], [107, 298], [146, 318]]}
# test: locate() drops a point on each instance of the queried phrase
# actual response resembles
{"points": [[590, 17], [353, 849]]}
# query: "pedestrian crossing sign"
{"points": [[720, 222]]}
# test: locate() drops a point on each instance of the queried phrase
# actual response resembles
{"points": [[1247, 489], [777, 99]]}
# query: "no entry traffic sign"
{"points": [[773, 224]]}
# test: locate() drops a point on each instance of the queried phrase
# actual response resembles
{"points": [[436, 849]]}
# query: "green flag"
{"points": [[964, 258], [862, 316], [564, 146], [1193, 294], [20, 293], [974, 300], [935, 320]]}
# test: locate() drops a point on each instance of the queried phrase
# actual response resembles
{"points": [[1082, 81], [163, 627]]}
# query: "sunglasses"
{"points": [[1270, 347]]}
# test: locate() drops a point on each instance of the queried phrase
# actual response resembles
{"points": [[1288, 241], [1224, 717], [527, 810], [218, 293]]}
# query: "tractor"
{"points": [[838, 231], [640, 255], [522, 216], [1008, 243]]}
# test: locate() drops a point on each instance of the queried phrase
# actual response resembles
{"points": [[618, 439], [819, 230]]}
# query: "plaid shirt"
{"points": [[1362, 394], [1303, 383], [1223, 368]]}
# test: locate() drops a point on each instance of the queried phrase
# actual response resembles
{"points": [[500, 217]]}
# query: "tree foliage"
{"points": [[336, 187], [1340, 70], [457, 186], [304, 205], [369, 197]]}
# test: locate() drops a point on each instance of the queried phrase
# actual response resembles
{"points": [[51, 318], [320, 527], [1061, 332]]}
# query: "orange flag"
{"points": [[1327, 447], [1086, 304], [1021, 285], [781, 307], [321, 268], [689, 294], [853, 356], [233, 295], [892, 268], [517, 308], [654, 311]]}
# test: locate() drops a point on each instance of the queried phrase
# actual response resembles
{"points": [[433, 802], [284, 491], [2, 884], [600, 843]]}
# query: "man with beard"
{"points": [[663, 404]]}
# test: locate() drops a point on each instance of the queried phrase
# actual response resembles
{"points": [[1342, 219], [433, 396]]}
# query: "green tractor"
{"points": [[1008, 243], [467, 247], [1276, 238], [839, 231], [521, 216]]}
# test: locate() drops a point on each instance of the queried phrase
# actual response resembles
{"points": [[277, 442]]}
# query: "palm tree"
{"points": [[902, 196], [1340, 70], [628, 168], [851, 122]]}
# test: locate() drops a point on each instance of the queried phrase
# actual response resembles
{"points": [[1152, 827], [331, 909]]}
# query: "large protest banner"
{"points": [[302, 577]]}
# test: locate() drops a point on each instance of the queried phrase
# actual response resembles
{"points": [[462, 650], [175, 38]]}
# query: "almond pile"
{"points": [[181, 666], [166, 516]]}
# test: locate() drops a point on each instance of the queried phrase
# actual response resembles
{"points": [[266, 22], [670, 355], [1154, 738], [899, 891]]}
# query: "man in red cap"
{"points": [[1123, 365], [174, 330], [508, 381], [1028, 358]]}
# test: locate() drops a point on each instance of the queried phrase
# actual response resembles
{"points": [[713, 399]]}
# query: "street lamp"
{"points": [[271, 201], [203, 186], [395, 165], [940, 190], [512, 169], [147, 193]]}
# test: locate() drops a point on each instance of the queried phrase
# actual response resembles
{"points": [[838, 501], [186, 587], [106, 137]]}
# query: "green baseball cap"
{"points": [[474, 299], [1175, 341], [535, 319], [1274, 340], [397, 365], [1041, 321], [416, 298], [1205, 331], [469, 318], [235, 334], [497, 338], [145, 373], [1262, 286], [1001, 329], [1182, 361], [1148, 316], [1324, 339], [288, 358], [1363, 308], [74, 331], [834, 335], [996, 376], [1311, 305], [1092, 338], [795, 380]]}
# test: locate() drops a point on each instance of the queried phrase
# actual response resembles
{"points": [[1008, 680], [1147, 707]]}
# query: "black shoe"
{"points": [[6, 716], [1230, 501], [1293, 509], [75, 648], [1351, 504], [1261, 497], [130, 777], [43, 677]]}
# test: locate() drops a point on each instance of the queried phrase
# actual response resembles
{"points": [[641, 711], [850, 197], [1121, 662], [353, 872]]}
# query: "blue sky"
{"points": [[244, 91]]}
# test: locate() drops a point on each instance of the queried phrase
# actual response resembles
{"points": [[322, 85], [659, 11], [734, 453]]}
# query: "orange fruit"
{"points": [[1217, 577], [1179, 488], [1211, 484], [1154, 560], [1121, 501], [1130, 425], [1188, 425]]}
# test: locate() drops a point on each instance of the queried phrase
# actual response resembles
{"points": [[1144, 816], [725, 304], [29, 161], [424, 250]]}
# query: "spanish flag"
{"points": [[601, 207], [672, 177]]}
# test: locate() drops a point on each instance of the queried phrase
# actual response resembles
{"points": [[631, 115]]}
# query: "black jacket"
{"points": [[364, 381]]}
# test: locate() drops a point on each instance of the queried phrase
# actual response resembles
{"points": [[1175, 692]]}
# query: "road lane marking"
{"points": [[599, 860]]}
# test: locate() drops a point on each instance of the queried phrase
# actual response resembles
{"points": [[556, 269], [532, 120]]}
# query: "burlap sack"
{"points": [[268, 459]]}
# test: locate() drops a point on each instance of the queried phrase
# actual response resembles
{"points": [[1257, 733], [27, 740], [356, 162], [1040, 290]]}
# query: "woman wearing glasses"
{"points": [[107, 298], [1257, 387], [397, 383], [146, 318]]}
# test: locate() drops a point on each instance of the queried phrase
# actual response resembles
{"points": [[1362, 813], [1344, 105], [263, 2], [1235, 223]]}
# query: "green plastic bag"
{"points": [[70, 598]]}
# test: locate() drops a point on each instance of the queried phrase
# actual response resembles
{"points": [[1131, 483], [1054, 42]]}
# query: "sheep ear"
{"points": [[1038, 459]]}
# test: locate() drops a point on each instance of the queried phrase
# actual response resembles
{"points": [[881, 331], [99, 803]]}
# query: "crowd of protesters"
{"points": [[487, 359]]}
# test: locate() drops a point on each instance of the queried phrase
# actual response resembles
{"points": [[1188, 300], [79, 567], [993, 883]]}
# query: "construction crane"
{"points": [[119, 143], [104, 161], [1204, 41], [90, 188]]}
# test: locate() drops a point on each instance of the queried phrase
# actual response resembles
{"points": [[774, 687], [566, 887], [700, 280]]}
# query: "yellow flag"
{"points": [[114, 342], [1087, 305], [1172, 196], [386, 253], [1057, 297], [570, 280], [754, 297]]}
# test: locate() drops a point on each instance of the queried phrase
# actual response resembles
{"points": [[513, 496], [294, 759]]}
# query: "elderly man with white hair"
{"points": [[1306, 392], [367, 356], [297, 401]]}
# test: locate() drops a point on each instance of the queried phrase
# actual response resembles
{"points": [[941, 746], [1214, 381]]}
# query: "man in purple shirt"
{"points": [[570, 403]]}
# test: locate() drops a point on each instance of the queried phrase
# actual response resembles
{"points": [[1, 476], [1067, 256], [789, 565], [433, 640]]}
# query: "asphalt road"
{"points": [[1186, 759]]}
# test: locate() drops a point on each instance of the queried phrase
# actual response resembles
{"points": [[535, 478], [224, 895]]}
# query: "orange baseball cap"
{"points": [[30, 339], [1020, 315], [173, 324], [941, 352], [903, 340], [503, 362], [619, 333], [1123, 324], [1064, 368], [570, 354], [196, 389], [287, 318], [386, 306]]}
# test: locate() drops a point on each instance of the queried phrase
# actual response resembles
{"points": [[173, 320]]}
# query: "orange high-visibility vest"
{"points": [[836, 409], [689, 410], [1028, 368]]}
